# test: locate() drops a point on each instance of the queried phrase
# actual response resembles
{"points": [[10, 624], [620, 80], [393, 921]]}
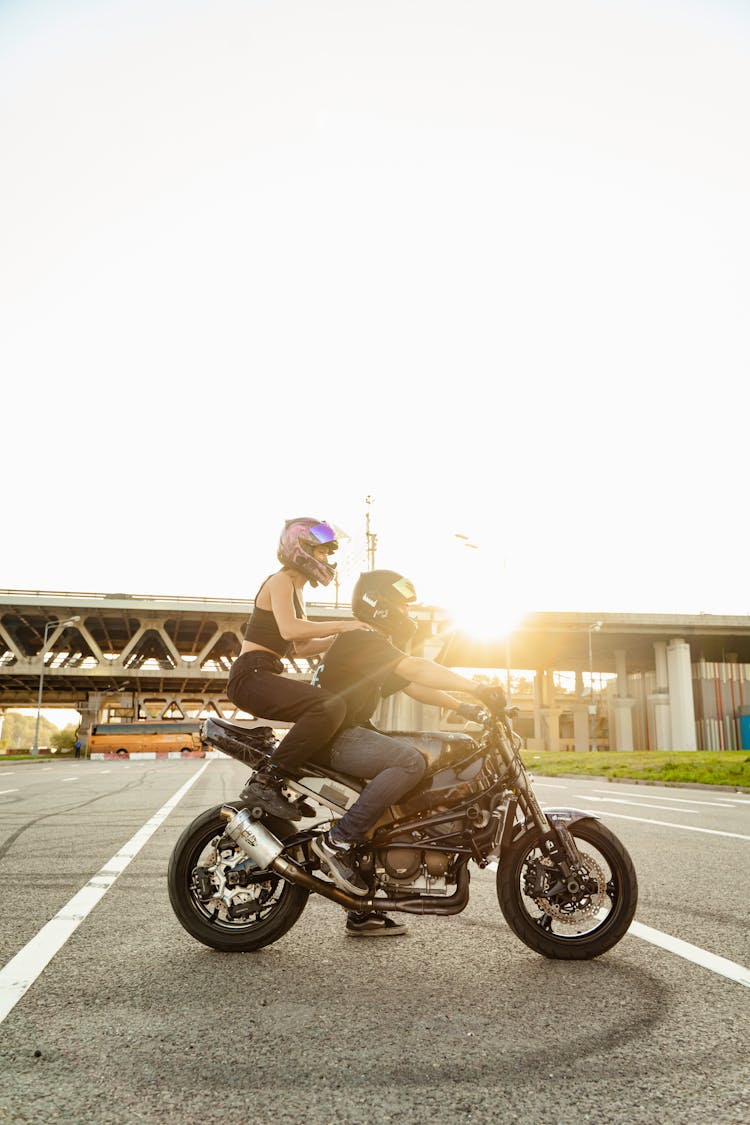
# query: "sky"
{"points": [[482, 261]]}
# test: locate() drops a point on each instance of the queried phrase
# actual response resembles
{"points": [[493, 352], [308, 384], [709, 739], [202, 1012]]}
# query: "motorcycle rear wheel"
{"points": [[564, 930], [230, 919]]}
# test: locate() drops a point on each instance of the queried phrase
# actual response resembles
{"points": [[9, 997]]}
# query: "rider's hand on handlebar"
{"points": [[469, 711], [493, 697]]}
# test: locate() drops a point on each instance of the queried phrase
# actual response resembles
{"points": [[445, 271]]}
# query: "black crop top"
{"points": [[261, 628]]}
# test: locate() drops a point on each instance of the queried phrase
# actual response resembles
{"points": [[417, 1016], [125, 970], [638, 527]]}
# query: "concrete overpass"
{"points": [[673, 681], [161, 655], [560, 641]]}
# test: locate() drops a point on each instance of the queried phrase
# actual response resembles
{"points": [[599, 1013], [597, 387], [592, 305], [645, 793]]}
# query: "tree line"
{"points": [[17, 733]]}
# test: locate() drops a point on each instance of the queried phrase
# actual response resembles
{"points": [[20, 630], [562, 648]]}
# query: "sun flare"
{"points": [[484, 618], [479, 594]]}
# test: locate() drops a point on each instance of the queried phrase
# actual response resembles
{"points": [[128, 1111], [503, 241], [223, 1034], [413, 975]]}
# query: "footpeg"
{"points": [[305, 808], [259, 793]]}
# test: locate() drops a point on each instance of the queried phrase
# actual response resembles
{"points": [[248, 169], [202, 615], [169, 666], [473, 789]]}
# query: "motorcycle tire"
{"points": [[560, 929], [266, 909]]}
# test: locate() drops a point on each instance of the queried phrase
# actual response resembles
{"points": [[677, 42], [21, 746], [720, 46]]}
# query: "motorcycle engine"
{"points": [[402, 864], [410, 869]]}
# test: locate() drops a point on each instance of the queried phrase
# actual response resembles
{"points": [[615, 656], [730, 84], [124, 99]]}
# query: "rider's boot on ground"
{"points": [[376, 924]]}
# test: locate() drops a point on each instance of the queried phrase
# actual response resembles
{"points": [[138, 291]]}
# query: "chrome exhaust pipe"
{"points": [[252, 836], [265, 850]]}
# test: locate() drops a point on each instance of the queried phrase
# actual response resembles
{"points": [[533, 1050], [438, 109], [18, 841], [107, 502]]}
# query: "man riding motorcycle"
{"points": [[360, 669]]}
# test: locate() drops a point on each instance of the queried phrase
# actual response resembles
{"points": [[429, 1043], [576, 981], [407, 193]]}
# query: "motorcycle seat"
{"points": [[250, 744], [252, 735], [246, 744]]}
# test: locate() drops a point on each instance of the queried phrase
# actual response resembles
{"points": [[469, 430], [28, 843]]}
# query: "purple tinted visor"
{"points": [[323, 533]]}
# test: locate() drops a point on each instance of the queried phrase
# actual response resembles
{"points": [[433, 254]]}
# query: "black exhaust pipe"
{"points": [[426, 904], [265, 850]]}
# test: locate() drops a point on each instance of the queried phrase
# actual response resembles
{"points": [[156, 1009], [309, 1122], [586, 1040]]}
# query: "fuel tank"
{"points": [[446, 786], [439, 748]]}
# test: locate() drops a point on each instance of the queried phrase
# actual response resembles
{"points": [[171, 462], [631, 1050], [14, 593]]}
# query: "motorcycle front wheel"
{"points": [[550, 919], [220, 896]]}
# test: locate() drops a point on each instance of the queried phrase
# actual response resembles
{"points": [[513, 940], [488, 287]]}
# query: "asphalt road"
{"points": [[133, 1021]]}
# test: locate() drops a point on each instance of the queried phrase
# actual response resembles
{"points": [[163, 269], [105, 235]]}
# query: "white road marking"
{"points": [[738, 800], [31, 961], [684, 949], [69, 779], [2, 791], [626, 801], [661, 797], [667, 823], [692, 953]]}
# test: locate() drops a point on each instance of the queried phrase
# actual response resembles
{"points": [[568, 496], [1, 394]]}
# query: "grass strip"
{"points": [[724, 767]]}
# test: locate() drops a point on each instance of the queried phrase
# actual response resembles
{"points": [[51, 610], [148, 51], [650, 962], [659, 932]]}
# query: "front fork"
{"points": [[557, 842], [561, 848]]}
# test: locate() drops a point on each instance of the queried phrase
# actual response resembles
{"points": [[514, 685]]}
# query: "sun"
{"points": [[477, 592], [485, 617]]}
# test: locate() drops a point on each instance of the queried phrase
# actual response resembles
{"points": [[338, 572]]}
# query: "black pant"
{"points": [[256, 686]]}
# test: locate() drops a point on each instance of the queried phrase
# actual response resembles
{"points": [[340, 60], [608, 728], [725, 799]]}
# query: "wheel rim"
{"points": [[561, 915], [226, 889]]}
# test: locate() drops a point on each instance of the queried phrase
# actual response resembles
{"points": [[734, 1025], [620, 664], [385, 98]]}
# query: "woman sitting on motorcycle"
{"points": [[277, 627]]}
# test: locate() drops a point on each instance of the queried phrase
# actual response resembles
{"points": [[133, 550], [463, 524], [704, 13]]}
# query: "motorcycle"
{"points": [[239, 879]]}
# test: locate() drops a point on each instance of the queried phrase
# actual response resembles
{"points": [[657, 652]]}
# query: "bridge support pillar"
{"points": [[399, 712], [538, 704], [660, 663], [551, 717], [681, 705], [662, 725], [89, 710], [623, 704], [623, 723], [581, 728]]}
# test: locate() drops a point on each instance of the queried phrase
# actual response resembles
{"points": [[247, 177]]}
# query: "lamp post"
{"points": [[47, 627], [464, 541], [594, 628], [370, 536]]}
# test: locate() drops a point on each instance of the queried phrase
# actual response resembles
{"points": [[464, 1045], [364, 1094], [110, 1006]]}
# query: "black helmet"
{"points": [[382, 598]]}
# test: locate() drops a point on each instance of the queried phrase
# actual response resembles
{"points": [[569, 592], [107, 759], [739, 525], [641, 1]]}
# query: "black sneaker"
{"points": [[265, 791], [376, 924], [337, 861]]}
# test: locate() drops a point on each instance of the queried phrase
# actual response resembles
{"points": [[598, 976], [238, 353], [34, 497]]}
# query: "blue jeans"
{"points": [[394, 766]]}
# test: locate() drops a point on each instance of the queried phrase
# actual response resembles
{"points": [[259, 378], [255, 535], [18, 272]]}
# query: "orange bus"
{"points": [[166, 738]]}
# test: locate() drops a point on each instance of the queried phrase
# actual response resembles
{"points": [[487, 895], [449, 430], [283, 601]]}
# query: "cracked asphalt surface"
{"points": [[457, 1021]]}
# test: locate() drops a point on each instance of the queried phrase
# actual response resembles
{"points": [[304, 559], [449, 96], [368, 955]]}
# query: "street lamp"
{"points": [[370, 537], [47, 627], [594, 628]]}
